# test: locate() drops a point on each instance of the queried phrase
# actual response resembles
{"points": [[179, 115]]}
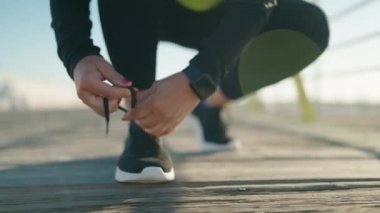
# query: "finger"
{"points": [[107, 70], [171, 128], [141, 110], [142, 95], [147, 122], [95, 103], [113, 104], [127, 116], [157, 130], [168, 131], [105, 90], [136, 114]]}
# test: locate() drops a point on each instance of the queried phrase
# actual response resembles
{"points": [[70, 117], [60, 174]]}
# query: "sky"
{"points": [[29, 62]]}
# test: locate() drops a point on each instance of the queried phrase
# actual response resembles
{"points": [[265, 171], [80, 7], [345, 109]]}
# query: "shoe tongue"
{"points": [[141, 143], [213, 112], [137, 132]]}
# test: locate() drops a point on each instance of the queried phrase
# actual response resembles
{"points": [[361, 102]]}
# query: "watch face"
{"points": [[204, 86]]}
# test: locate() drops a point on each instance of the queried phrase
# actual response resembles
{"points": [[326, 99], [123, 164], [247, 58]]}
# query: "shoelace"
{"points": [[107, 109]]}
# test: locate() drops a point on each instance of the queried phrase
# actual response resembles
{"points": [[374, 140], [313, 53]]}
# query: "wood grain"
{"points": [[61, 161]]}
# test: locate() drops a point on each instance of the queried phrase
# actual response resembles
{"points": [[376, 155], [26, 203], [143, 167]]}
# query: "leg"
{"points": [[188, 28], [130, 32], [294, 15]]}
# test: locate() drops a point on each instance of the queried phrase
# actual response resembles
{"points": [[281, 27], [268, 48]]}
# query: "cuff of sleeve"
{"points": [[75, 58], [203, 63]]}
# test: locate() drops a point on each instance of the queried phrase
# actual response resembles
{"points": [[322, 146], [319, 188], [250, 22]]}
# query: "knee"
{"points": [[302, 17], [316, 25]]}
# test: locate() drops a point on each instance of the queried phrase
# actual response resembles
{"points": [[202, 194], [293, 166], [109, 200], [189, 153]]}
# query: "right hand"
{"points": [[89, 76]]}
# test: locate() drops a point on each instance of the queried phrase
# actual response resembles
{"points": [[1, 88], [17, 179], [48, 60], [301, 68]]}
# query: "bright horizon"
{"points": [[29, 60]]}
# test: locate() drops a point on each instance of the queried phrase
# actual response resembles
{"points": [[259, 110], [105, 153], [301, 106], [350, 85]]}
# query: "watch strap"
{"points": [[201, 83]]}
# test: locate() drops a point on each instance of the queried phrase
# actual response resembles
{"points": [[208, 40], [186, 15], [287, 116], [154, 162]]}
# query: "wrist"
{"points": [[83, 66], [187, 83], [78, 56], [201, 83]]}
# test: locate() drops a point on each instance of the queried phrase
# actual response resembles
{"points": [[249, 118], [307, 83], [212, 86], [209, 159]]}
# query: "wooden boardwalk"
{"points": [[62, 161]]}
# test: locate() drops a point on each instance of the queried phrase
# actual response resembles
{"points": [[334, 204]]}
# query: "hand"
{"points": [[162, 107], [89, 76]]}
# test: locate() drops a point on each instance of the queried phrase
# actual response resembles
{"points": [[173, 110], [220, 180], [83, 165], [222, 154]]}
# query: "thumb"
{"points": [[109, 73]]}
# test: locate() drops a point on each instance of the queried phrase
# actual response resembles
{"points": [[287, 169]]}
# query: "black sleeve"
{"points": [[244, 19], [72, 26]]}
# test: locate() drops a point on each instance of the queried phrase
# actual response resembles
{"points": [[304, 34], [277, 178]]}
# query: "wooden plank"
{"points": [[62, 161]]}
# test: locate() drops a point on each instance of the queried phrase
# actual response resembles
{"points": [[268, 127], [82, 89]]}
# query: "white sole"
{"points": [[208, 146], [148, 175]]}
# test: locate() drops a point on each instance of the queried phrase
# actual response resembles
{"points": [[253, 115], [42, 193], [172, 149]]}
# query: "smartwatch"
{"points": [[200, 83]]}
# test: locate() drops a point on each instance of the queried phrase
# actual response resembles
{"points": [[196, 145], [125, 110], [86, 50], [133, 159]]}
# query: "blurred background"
{"points": [[33, 78], [54, 152]]}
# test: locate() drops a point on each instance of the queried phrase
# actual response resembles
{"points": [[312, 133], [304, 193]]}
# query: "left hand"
{"points": [[162, 107]]}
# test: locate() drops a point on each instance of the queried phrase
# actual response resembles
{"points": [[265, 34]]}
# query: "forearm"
{"points": [[72, 27]]}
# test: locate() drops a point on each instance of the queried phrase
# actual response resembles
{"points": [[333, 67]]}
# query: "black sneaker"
{"points": [[210, 129], [144, 159]]}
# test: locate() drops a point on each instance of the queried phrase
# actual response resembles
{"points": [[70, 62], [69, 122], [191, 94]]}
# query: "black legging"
{"points": [[133, 28]]}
